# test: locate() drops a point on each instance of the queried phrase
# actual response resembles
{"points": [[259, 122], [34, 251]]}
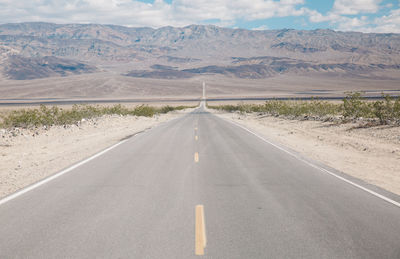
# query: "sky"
{"points": [[343, 15]]}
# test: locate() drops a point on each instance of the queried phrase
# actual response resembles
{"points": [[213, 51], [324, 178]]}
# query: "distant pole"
{"points": [[204, 90]]}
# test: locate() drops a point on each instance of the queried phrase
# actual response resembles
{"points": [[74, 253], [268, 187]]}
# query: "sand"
{"points": [[112, 86], [27, 156], [370, 154]]}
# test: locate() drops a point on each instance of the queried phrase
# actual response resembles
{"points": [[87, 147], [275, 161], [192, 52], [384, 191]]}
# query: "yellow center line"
{"points": [[196, 157], [195, 128], [196, 137], [200, 231]]}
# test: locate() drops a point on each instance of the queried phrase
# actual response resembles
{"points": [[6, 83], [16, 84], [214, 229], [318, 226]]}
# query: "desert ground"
{"points": [[29, 155], [108, 86], [371, 154]]}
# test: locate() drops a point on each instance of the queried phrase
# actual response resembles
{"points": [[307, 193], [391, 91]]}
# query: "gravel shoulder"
{"points": [[29, 155], [370, 154]]}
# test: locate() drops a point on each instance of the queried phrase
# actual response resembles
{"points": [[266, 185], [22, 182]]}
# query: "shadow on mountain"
{"points": [[264, 67], [22, 68]]}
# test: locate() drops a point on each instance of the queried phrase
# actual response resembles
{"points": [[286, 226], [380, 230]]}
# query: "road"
{"points": [[138, 200]]}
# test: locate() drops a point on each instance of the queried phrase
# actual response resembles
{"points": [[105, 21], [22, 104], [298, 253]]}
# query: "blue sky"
{"points": [[324, 7], [344, 15]]}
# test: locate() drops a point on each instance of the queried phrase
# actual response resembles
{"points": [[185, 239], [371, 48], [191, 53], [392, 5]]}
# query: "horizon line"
{"points": [[189, 25]]}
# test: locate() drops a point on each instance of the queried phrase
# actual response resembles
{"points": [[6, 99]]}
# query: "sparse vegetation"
{"points": [[353, 107], [47, 116]]}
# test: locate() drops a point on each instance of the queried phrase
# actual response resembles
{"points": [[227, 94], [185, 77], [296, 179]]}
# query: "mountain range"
{"points": [[39, 50]]}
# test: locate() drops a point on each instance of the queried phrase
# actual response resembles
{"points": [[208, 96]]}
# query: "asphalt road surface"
{"points": [[138, 200]]}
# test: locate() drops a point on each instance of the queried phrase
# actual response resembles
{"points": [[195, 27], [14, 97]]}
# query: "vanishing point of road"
{"points": [[198, 186]]}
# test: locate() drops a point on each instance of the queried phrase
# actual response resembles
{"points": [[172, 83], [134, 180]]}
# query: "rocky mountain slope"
{"points": [[22, 68], [170, 52]]}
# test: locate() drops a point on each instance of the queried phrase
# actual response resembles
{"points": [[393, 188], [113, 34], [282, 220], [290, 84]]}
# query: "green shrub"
{"points": [[396, 109], [45, 116], [228, 107], [382, 110], [292, 108], [144, 110], [166, 109], [354, 106]]}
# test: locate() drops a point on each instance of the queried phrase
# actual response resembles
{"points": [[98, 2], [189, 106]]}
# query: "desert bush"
{"points": [[228, 107], [301, 108], [396, 109], [246, 108], [287, 108], [144, 110], [166, 109], [45, 116], [383, 110], [354, 106], [182, 107], [116, 109]]}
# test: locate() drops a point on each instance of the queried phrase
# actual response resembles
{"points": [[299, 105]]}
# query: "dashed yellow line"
{"points": [[196, 137], [196, 157], [200, 231]]}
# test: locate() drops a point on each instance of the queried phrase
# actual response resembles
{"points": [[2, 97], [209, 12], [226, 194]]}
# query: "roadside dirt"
{"points": [[27, 156], [371, 154]]}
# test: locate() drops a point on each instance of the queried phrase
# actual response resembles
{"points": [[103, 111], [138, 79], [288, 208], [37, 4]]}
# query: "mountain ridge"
{"points": [[195, 47]]}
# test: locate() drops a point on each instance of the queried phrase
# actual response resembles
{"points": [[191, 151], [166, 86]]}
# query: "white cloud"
{"points": [[260, 28], [342, 17], [345, 14], [317, 17], [341, 8], [387, 23], [352, 24], [136, 13], [354, 7]]}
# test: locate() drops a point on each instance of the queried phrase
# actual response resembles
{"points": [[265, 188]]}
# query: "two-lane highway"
{"points": [[163, 193]]}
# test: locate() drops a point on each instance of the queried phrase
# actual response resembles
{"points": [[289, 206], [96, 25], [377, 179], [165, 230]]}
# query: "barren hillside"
{"points": [[194, 50]]}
